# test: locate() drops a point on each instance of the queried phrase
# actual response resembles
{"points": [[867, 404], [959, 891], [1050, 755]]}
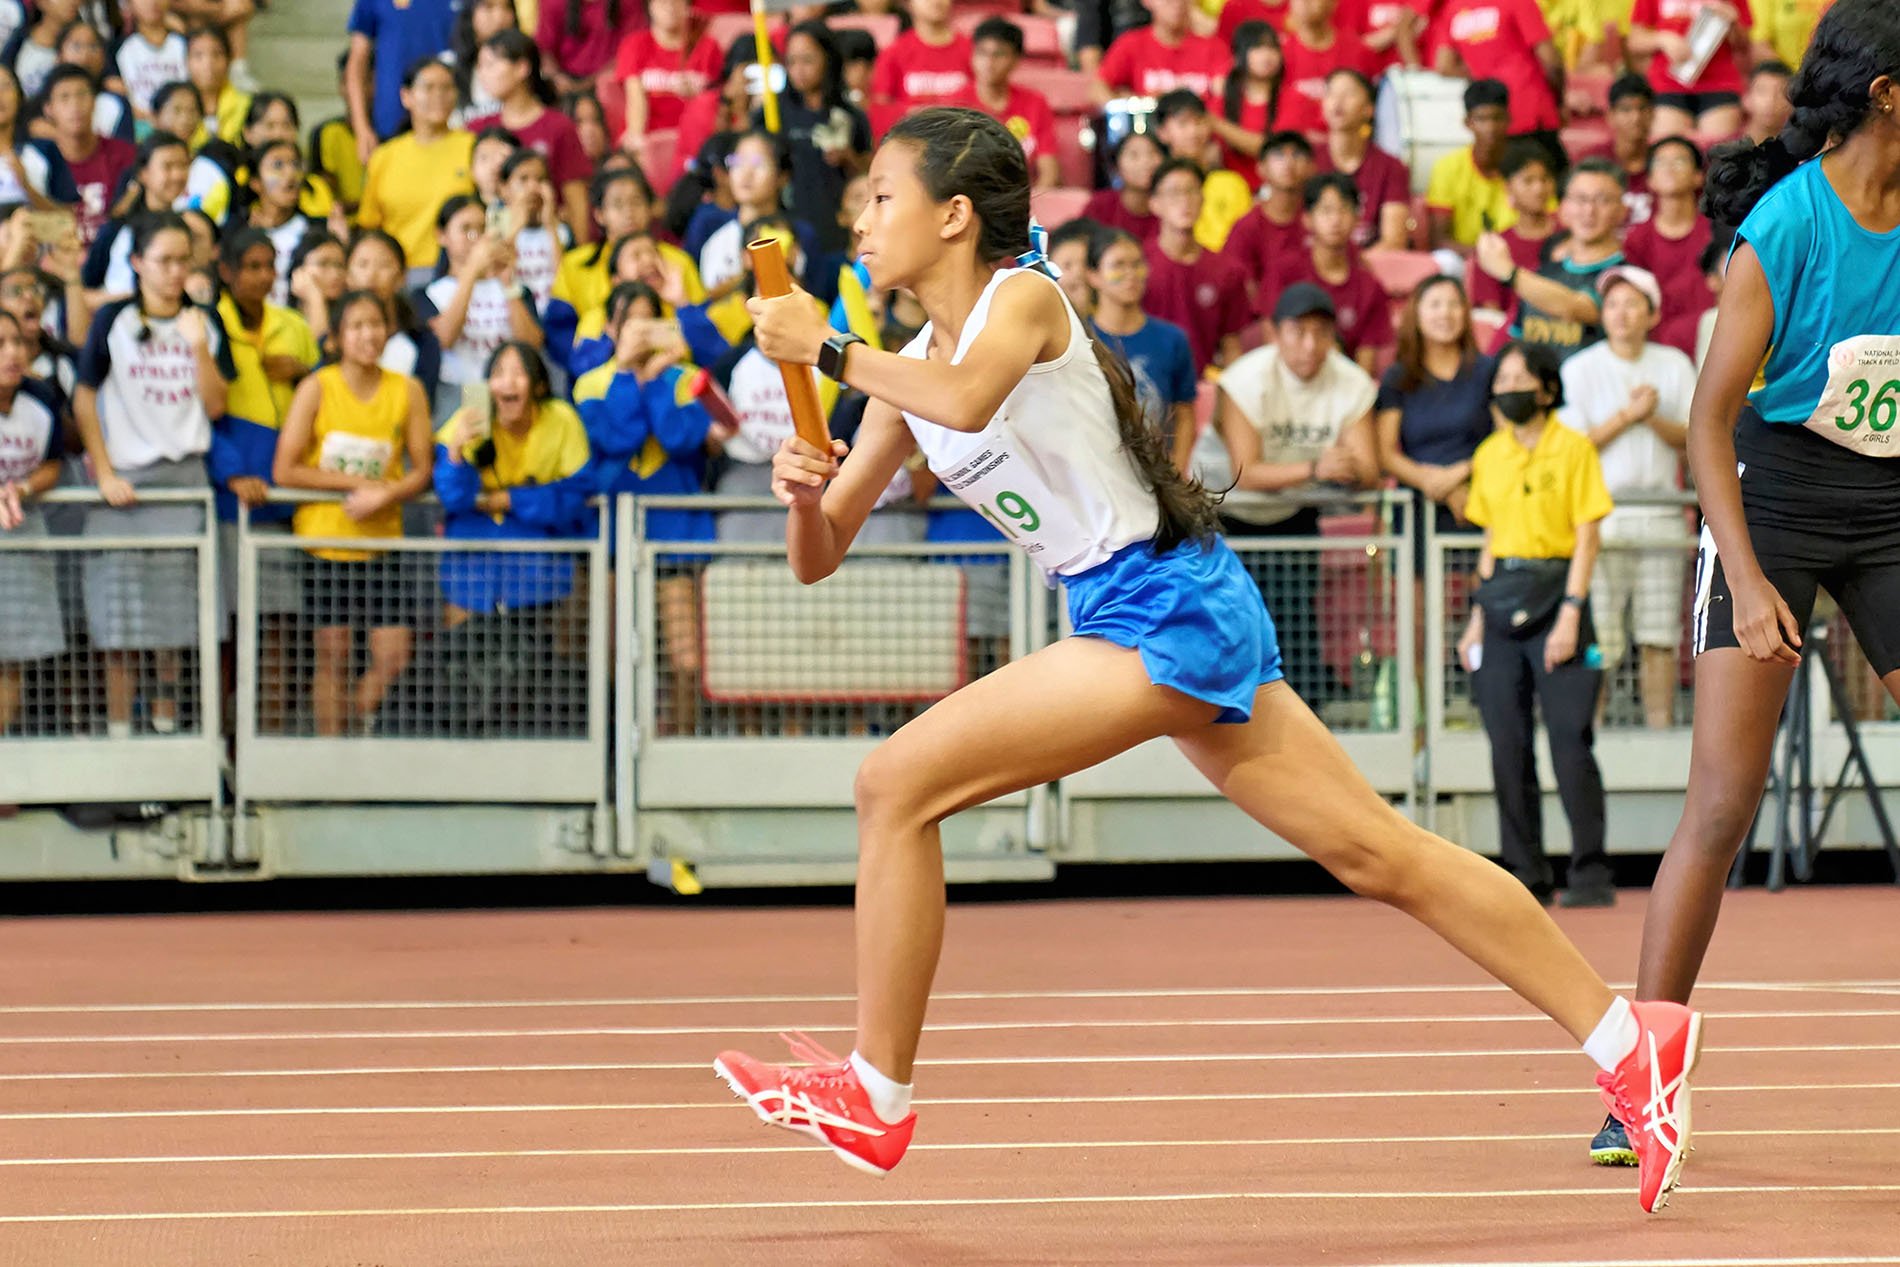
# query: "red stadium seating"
{"points": [[1421, 223], [1400, 271], [1076, 160], [1206, 395], [1042, 42], [882, 26], [1582, 137], [1068, 91], [657, 150], [1059, 205], [1486, 326], [724, 28]]}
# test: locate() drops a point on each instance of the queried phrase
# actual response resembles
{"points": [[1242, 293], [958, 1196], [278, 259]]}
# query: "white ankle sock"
{"points": [[891, 1100], [1614, 1037]]}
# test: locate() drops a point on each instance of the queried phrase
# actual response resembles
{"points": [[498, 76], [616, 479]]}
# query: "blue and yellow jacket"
{"points": [[649, 438], [244, 441], [549, 474], [577, 306]]}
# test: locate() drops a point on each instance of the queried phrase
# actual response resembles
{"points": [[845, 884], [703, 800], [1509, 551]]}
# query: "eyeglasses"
{"points": [[22, 290], [750, 163]]}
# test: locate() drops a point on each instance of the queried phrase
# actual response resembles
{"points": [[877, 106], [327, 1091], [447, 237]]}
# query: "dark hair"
{"points": [[496, 132], [520, 159], [624, 295], [381, 237], [409, 77], [831, 87], [1521, 152], [314, 240], [197, 33], [697, 182], [1486, 92], [1121, 147], [1594, 167], [1286, 139], [462, 47], [349, 299], [166, 91], [403, 316], [1855, 43], [597, 194], [65, 73], [855, 45], [1170, 166], [263, 101], [573, 16], [1358, 77], [144, 229], [1338, 182], [1411, 350], [233, 246], [1106, 238], [1541, 361], [999, 30], [962, 152], [453, 206], [1721, 240], [1772, 66], [1631, 86], [1082, 228], [774, 141], [1247, 37], [132, 200], [1176, 102], [1695, 151], [540, 382], [517, 46]]}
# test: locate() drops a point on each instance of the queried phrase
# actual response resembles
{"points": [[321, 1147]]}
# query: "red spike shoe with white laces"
{"points": [[1649, 1094], [822, 1099]]}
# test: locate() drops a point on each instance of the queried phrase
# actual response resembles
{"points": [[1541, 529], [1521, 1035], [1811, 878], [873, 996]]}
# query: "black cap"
{"points": [[1304, 299]]}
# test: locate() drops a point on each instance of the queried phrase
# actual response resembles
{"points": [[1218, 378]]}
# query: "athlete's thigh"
{"points": [[1738, 703], [1065, 708], [1869, 596], [1285, 769]]}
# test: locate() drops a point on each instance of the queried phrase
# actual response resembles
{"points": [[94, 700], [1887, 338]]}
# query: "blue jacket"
{"points": [[649, 438], [242, 447]]}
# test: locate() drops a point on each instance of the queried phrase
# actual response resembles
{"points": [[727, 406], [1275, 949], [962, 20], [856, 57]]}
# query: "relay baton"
{"points": [[808, 417]]}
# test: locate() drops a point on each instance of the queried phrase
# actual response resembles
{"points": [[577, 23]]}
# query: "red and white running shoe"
{"points": [[823, 1099], [1649, 1094]]}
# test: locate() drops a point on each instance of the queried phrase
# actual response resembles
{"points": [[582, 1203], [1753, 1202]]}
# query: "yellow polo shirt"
{"points": [[1225, 198], [1459, 187], [1786, 26], [1531, 500]]}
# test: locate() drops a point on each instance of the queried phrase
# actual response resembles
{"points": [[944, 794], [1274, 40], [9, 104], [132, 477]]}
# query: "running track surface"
{"points": [[1186, 1081]]}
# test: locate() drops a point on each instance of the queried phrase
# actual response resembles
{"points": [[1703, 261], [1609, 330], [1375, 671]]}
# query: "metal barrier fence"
{"points": [[419, 669], [109, 651]]}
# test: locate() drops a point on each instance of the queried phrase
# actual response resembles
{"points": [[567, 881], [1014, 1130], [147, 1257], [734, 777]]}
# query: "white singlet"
{"points": [[1049, 471]]}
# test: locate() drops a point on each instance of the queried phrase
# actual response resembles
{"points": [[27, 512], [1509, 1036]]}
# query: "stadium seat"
{"points": [[1580, 138], [1593, 85], [1042, 41], [657, 152], [1421, 222], [883, 27], [1059, 205], [1075, 157], [1486, 325], [723, 28], [1068, 91], [1206, 396], [1400, 271]]}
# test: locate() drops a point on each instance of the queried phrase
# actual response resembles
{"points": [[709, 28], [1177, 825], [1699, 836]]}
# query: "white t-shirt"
{"points": [[147, 379], [29, 432], [285, 239], [146, 68], [757, 392], [400, 355], [108, 112], [722, 258], [32, 64], [33, 163], [1297, 419], [486, 327], [1597, 383], [12, 18], [537, 259]]}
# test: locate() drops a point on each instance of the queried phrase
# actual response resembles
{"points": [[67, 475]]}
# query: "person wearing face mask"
{"points": [[1537, 490]]}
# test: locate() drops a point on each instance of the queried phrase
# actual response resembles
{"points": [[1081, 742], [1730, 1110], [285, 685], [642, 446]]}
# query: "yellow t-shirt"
{"points": [[357, 437], [254, 396], [1532, 500], [1224, 199], [1787, 25], [1459, 187], [333, 154], [406, 185]]}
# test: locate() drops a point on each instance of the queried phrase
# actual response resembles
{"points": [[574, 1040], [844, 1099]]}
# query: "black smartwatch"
{"points": [[831, 355], [1574, 600]]}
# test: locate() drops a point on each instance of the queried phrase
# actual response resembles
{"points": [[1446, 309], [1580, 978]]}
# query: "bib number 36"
{"points": [[1879, 413]]}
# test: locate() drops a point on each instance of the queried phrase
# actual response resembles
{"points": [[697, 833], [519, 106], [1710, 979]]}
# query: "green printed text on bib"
{"points": [[347, 454], [998, 484], [1861, 403]]}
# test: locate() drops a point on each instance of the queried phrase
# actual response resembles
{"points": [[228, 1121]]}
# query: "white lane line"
{"points": [[859, 1206], [724, 1104], [955, 1027], [1000, 1146], [947, 996], [1661, 1262]]}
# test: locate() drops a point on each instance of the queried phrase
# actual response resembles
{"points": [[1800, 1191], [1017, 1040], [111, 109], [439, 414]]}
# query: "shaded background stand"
{"points": [[1798, 831]]}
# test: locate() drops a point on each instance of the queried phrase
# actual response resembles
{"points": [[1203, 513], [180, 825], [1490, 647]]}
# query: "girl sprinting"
{"points": [[1036, 427]]}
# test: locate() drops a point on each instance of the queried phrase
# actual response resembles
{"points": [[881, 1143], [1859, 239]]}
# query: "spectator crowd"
{"points": [[511, 272]]}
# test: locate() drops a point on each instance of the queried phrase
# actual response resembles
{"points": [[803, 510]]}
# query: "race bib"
{"points": [[346, 454], [1861, 402], [997, 483]]}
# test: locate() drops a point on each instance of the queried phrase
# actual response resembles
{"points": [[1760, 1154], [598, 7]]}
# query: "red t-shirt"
{"points": [[670, 77], [1207, 298], [553, 134], [1370, 17], [591, 51], [913, 73], [1105, 207], [1674, 17], [1495, 39], [1362, 313], [1677, 263], [1140, 63], [1253, 117], [1256, 244], [1027, 116], [1235, 12], [96, 178], [1304, 83], [1381, 179], [1488, 292]]}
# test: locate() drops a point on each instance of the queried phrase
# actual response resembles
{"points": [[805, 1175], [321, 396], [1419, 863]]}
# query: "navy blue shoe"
{"points": [[1611, 1145]]}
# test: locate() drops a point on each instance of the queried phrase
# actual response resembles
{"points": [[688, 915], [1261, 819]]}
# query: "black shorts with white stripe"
{"points": [[1819, 517]]}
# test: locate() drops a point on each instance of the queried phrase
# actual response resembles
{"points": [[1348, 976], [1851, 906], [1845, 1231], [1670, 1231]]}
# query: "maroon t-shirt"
{"points": [[96, 178], [1488, 292], [1105, 207], [1381, 179], [1361, 309], [553, 135], [1677, 264], [1207, 298], [1256, 242]]}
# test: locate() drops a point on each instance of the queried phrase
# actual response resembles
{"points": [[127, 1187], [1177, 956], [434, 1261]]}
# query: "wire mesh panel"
{"points": [[108, 646], [1641, 601], [422, 668]]}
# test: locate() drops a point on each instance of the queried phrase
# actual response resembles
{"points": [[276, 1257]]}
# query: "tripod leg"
{"points": [[1857, 758]]}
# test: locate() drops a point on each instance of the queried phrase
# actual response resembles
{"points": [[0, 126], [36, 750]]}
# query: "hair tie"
{"points": [[1037, 256]]}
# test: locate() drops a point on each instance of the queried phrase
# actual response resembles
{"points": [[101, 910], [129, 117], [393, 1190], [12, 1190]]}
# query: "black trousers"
{"points": [[1510, 684]]}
